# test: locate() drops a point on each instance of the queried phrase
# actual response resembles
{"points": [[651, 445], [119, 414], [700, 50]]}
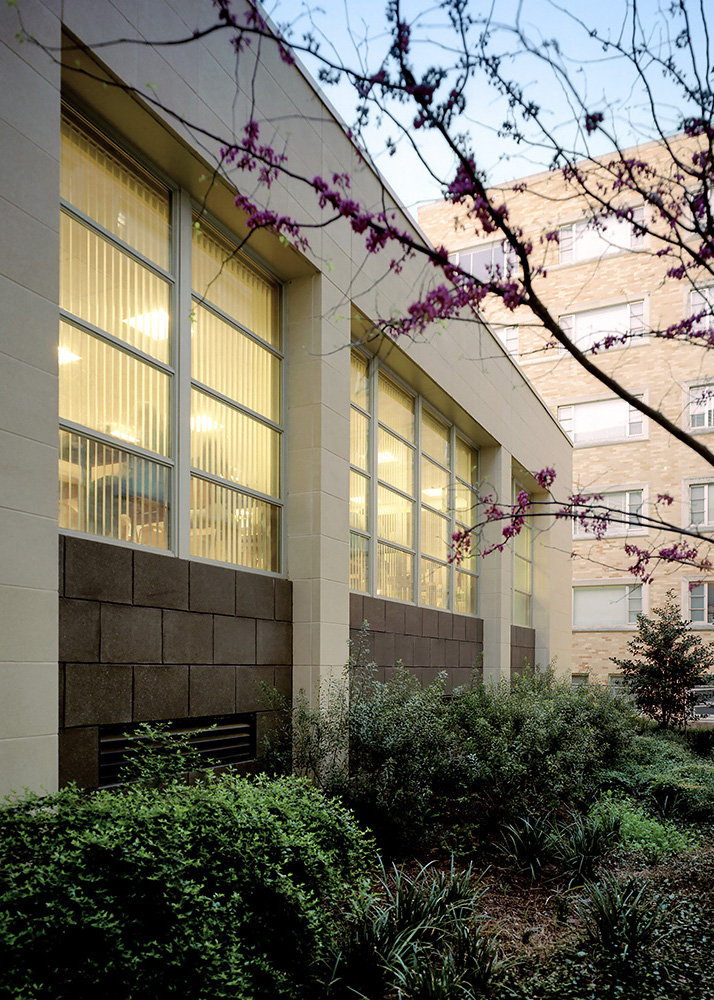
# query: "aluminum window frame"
{"points": [[372, 536], [182, 210], [617, 530]]}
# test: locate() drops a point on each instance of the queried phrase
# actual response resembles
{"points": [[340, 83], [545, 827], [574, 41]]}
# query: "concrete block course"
{"points": [[234, 640], [212, 589], [160, 581], [79, 756], [211, 691], [422, 638], [430, 623], [78, 630], [187, 637], [254, 595], [98, 572], [97, 694], [283, 600], [273, 643], [160, 691], [250, 695], [129, 634], [139, 655]]}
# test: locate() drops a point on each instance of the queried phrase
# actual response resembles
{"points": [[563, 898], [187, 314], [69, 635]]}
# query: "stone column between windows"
{"points": [[552, 589], [317, 514], [29, 277], [496, 571]]}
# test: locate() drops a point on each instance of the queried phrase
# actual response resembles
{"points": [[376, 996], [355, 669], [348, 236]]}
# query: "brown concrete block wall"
{"points": [[427, 641], [148, 637], [522, 649]]}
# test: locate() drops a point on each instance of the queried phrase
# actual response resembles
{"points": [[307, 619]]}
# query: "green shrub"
{"points": [[221, 889], [539, 743], [386, 751], [662, 768]]}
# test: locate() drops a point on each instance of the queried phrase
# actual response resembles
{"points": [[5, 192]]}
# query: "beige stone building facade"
{"points": [[600, 282], [230, 470]]}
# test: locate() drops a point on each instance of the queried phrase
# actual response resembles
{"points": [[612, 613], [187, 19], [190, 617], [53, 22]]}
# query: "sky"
{"points": [[356, 33]]}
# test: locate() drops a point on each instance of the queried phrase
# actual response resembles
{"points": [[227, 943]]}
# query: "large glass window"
{"points": [[588, 240], [235, 406], [701, 406], [116, 382], [701, 505], [625, 509], [418, 475], [122, 407], [522, 569], [491, 260], [701, 603]]}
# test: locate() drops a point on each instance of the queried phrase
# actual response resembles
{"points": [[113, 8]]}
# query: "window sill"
{"points": [[604, 628], [612, 441]]}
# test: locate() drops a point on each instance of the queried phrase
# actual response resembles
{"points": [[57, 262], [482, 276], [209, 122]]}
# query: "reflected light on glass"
{"points": [[154, 324], [65, 356], [202, 422]]}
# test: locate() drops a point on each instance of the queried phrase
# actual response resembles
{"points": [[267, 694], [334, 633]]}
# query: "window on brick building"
{"points": [[606, 606], [602, 421], [701, 406], [625, 507], [623, 322], [588, 241]]}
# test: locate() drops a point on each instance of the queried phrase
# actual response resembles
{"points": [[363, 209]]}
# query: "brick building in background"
{"points": [[602, 281]]}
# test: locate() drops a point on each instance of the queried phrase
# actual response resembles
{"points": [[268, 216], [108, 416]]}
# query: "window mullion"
{"points": [[452, 515], [372, 568], [182, 362], [416, 486]]}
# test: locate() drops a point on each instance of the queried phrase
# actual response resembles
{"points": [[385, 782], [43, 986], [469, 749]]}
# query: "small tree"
{"points": [[669, 661]]}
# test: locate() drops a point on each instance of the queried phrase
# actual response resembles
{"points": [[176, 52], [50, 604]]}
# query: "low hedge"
{"points": [[220, 889]]}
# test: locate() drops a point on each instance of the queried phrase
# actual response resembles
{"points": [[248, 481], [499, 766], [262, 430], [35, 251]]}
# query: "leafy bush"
{"points": [[662, 769], [668, 661], [156, 753], [385, 750], [540, 742], [221, 889], [423, 769]]}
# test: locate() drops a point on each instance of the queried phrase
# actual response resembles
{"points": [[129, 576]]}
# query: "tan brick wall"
{"points": [[657, 368]]}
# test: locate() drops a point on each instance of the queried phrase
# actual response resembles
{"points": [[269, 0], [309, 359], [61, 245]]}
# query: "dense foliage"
{"points": [[425, 769], [220, 889], [267, 888]]}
